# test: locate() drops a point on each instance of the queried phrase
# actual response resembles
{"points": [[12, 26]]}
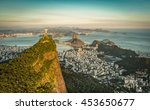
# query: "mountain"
{"points": [[37, 69], [75, 41], [110, 48], [130, 59]]}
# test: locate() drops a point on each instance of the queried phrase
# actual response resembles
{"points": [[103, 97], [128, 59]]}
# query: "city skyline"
{"points": [[79, 13]]}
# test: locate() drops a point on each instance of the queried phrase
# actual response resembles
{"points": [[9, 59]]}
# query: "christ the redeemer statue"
{"points": [[45, 30], [45, 33]]}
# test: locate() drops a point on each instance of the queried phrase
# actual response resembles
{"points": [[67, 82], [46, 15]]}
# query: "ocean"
{"points": [[134, 39]]}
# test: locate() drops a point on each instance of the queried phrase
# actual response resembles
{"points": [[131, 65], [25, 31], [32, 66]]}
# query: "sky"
{"points": [[75, 13]]}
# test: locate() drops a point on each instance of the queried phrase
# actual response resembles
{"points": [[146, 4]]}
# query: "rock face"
{"points": [[37, 69]]}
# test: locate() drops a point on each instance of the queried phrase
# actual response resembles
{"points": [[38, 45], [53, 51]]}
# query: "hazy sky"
{"points": [[86, 13]]}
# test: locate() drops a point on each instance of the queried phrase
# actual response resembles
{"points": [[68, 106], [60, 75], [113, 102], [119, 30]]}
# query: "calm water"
{"points": [[134, 39]]}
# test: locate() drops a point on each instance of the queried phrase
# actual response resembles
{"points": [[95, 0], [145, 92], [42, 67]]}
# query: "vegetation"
{"points": [[81, 83], [35, 70], [30, 72], [130, 60], [114, 50], [134, 64]]}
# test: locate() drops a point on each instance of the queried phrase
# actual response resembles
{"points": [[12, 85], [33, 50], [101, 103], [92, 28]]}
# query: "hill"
{"points": [[75, 41], [110, 48], [37, 69], [83, 83], [130, 60]]}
